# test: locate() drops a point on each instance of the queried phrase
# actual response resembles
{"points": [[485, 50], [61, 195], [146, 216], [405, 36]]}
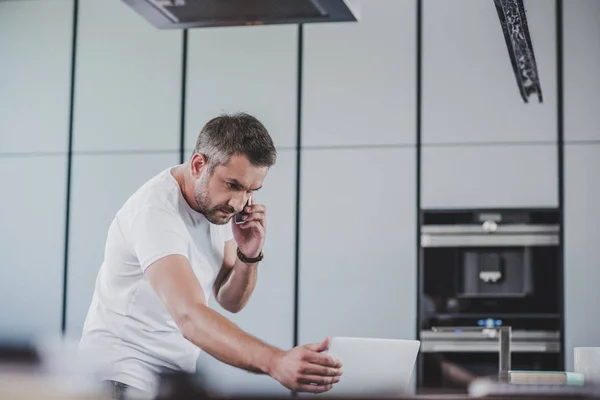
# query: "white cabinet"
{"points": [[35, 75], [581, 66], [489, 176], [128, 81], [35, 79], [582, 252], [469, 89], [100, 185], [32, 244], [269, 315], [243, 69], [359, 78], [358, 272]]}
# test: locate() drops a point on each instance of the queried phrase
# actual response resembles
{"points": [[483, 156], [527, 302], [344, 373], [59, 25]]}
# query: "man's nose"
{"points": [[238, 202]]}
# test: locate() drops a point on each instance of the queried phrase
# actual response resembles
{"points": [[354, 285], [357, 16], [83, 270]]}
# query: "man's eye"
{"points": [[231, 186]]}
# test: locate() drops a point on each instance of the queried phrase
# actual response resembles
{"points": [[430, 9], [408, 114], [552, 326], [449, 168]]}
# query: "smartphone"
{"points": [[238, 216]]}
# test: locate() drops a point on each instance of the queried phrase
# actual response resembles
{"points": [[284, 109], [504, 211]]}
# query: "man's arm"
{"points": [[303, 368], [235, 282]]}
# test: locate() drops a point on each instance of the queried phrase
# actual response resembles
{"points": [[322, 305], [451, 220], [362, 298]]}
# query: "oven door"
{"points": [[450, 361], [505, 270]]}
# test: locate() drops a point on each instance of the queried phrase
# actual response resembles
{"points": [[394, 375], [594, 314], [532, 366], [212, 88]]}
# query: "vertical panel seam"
{"points": [[419, 283], [560, 146], [298, 178], [69, 165], [184, 53]]}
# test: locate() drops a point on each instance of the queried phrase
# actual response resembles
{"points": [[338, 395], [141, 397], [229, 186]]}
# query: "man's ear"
{"points": [[198, 164]]}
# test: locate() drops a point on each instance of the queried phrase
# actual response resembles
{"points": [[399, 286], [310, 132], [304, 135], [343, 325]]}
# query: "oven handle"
{"points": [[466, 347], [486, 240], [493, 229]]}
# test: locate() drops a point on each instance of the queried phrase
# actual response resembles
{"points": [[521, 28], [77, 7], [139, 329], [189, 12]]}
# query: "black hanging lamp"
{"points": [[520, 49]]}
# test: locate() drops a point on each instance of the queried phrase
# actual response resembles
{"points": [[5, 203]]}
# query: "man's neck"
{"points": [[183, 178]]}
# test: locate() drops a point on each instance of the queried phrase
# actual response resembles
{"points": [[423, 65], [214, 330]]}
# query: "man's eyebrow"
{"points": [[239, 185]]}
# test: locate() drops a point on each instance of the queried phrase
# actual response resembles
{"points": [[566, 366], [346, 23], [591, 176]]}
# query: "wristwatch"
{"points": [[249, 260]]}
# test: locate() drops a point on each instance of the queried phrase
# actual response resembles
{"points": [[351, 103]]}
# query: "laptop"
{"points": [[373, 367]]}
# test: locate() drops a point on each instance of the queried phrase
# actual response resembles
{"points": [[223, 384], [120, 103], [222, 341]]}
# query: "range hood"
{"points": [[169, 14]]}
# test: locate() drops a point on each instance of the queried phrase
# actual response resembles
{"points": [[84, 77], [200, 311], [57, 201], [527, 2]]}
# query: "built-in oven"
{"points": [[488, 268]]}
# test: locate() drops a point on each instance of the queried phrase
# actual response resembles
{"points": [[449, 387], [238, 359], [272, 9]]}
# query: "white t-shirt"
{"points": [[128, 331]]}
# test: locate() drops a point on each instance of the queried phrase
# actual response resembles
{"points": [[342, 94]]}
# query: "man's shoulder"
{"points": [[159, 194]]}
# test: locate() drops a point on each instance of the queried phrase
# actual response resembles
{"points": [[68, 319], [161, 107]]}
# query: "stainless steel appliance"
{"points": [[183, 14], [486, 269]]}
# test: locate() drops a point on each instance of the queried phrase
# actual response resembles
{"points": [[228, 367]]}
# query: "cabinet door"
{"points": [[35, 75], [269, 315], [357, 244], [582, 63], [32, 244], [469, 88], [582, 253], [489, 176], [128, 81], [34, 131], [101, 183], [243, 69], [359, 78]]}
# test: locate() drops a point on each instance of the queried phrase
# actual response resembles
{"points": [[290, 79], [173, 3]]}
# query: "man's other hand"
{"points": [[306, 369]]}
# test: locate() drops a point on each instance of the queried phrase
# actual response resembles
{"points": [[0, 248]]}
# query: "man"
{"points": [[168, 247]]}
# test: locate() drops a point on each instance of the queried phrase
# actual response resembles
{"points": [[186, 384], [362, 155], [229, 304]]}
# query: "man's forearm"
{"points": [[236, 289], [226, 342]]}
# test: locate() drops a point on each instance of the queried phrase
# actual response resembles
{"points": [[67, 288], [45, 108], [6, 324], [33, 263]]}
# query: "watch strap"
{"points": [[249, 260]]}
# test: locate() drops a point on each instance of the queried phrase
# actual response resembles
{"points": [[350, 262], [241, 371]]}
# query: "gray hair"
{"points": [[230, 134]]}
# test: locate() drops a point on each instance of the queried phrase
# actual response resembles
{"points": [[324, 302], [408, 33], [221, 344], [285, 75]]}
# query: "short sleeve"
{"points": [[156, 233]]}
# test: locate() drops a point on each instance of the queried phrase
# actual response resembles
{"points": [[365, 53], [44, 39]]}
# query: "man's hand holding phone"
{"points": [[249, 229]]}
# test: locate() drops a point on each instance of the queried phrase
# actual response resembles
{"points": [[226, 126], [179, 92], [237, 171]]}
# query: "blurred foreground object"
{"points": [[486, 388], [210, 13], [21, 386], [45, 370], [520, 49], [182, 386]]}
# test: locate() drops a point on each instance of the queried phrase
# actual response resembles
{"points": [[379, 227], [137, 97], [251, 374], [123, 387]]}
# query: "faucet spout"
{"points": [[504, 356], [502, 333]]}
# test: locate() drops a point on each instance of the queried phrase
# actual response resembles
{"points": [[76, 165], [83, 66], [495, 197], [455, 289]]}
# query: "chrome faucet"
{"points": [[503, 333]]}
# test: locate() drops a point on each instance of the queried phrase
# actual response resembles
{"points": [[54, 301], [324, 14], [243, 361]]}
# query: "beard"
{"points": [[205, 206]]}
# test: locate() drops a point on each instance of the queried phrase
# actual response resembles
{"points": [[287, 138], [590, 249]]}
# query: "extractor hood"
{"points": [[180, 14]]}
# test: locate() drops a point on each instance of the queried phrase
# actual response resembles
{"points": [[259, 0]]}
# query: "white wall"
{"points": [[470, 94], [359, 79], [249, 69], [497, 176], [357, 257], [582, 253], [582, 63], [358, 165], [128, 81], [582, 163], [482, 146], [34, 100], [126, 129], [34, 120]]}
